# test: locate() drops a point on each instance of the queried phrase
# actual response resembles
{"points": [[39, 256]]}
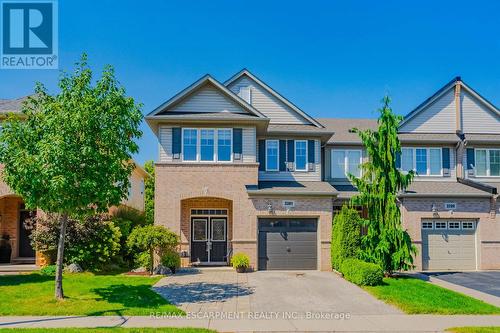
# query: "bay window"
{"points": [[272, 155], [207, 144], [425, 161], [487, 162], [300, 155], [344, 162]]}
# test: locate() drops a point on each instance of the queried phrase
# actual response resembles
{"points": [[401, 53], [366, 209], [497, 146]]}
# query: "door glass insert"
{"points": [[199, 230], [218, 229]]}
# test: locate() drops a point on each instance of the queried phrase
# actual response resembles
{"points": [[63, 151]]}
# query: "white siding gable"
{"points": [[476, 117], [266, 103], [207, 100], [438, 117]]}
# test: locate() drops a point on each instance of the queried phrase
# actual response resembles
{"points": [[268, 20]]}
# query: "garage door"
{"points": [[448, 244], [287, 244]]}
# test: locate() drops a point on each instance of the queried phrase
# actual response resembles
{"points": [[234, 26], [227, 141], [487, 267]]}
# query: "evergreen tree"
{"points": [[385, 242]]}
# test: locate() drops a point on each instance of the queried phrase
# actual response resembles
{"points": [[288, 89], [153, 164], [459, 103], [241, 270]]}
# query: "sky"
{"points": [[330, 58]]}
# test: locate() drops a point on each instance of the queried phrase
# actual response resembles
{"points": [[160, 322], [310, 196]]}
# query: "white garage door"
{"points": [[448, 244]]}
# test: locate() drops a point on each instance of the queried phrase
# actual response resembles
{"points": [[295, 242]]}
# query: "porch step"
{"points": [[17, 268], [23, 261]]}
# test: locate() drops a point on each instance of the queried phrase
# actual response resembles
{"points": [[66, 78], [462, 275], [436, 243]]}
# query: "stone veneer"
{"points": [[180, 187], [484, 210]]}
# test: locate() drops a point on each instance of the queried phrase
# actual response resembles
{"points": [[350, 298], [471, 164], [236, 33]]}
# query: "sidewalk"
{"points": [[359, 323]]}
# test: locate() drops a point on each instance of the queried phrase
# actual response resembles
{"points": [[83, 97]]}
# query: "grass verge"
{"points": [[474, 330], [415, 296], [86, 294]]}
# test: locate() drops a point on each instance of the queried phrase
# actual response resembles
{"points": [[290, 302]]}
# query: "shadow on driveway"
{"points": [[201, 292]]}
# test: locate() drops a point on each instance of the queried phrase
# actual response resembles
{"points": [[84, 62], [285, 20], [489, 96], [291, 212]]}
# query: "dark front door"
{"points": [[287, 244], [208, 239], [25, 248]]}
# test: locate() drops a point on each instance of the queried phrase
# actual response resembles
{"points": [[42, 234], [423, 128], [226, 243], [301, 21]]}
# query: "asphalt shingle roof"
{"points": [[291, 188], [342, 129], [442, 188], [11, 105]]}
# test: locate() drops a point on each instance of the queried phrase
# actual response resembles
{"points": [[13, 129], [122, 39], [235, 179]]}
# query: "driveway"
{"points": [[487, 282], [221, 289]]}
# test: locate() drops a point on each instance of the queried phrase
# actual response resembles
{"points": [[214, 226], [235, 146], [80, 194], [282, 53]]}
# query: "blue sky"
{"points": [[331, 58]]}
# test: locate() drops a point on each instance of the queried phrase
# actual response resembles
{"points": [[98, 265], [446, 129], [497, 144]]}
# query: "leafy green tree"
{"points": [[69, 155], [149, 192], [386, 243], [153, 239]]}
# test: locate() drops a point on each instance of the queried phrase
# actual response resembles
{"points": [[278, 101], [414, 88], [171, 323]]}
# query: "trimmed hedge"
{"points": [[362, 273], [346, 236]]}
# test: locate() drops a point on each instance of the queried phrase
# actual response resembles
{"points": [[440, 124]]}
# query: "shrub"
{"points": [[362, 273], [91, 241], [49, 270], [346, 236], [171, 260], [240, 260], [152, 239], [137, 218]]}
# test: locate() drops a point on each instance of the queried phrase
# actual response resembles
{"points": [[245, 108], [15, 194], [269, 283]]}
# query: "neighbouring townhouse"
{"points": [[13, 213], [243, 169]]}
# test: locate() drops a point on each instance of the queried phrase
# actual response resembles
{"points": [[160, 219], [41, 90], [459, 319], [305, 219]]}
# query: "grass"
{"points": [[474, 329], [86, 294], [415, 296], [106, 330]]}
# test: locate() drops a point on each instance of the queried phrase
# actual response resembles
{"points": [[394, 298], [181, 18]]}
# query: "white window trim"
{"points": [[459, 225], [306, 165], [440, 223], [198, 145], [428, 154], [488, 167], [277, 155], [432, 225], [346, 161]]}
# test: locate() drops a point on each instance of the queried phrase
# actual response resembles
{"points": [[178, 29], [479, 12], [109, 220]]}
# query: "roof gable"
{"points": [[268, 101], [206, 95], [444, 112]]}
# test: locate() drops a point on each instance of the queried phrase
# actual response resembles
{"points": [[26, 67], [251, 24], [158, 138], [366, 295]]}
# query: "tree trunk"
{"points": [[59, 294], [152, 254]]}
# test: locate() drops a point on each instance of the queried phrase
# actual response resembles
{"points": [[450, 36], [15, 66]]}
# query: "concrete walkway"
{"points": [[355, 323]]}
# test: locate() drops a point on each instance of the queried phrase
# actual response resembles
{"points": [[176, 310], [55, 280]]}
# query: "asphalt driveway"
{"points": [[212, 290], [487, 282]]}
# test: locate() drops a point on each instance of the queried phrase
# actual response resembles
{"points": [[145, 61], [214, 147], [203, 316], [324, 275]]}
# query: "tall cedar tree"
{"points": [[149, 192], [385, 242], [69, 153]]}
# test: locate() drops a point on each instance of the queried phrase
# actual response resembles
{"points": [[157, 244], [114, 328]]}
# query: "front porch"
{"points": [[15, 245]]}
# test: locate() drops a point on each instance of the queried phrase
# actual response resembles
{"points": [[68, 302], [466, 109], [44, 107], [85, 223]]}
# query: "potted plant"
{"points": [[171, 260], [240, 261], [5, 249]]}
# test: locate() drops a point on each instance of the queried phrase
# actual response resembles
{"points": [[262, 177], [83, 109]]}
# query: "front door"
{"points": [[25, 248], [208, 239]]}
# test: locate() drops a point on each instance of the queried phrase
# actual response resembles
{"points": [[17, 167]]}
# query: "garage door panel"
{"points": [[448, 249], [286, 244]]}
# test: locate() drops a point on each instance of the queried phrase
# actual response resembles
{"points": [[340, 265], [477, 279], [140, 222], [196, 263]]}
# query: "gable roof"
{"points": [[443, 90], [207, 79], [12, 105], [246, 72]]}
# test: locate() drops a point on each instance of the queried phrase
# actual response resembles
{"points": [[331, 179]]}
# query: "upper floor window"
{"points": [[346, 161], [300, 155], [189, 144], [488, 162], [224, 144], [272, 155], [207, 144], [425, 161]]}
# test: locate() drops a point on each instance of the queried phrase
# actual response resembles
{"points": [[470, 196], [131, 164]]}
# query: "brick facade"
{"points": [[181, 187], [413, 210]]}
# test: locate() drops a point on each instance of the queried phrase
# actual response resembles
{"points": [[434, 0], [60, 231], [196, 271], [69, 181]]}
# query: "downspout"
{"points": [[458, 118]]}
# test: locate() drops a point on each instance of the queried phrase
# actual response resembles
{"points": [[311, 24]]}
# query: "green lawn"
{"points": [[474, 329], [415, 296], [86, 294], [106, 330]]}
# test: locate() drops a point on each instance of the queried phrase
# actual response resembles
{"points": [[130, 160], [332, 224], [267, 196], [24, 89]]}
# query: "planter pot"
{"points": [[241, 269], [5, 253]]}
